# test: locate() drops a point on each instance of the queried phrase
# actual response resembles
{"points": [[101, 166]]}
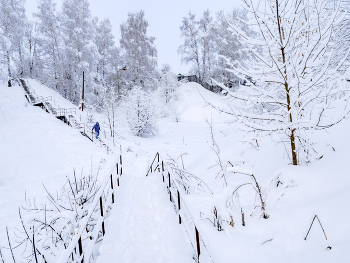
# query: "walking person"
{"points": [[97, 129]]}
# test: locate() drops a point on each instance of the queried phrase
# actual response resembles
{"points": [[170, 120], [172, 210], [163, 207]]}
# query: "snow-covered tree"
{"points": [[80, 50], [294, 85], [141, 112], [49, 43], [167, 83], [190, 50], [138, 50], [207, 45], [12, 23], [228, 47], [105, 44]]}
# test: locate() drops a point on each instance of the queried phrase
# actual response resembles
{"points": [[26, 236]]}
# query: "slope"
{"points": [[36, 149]]}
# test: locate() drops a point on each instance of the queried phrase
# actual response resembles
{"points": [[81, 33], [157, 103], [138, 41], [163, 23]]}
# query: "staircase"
{"points": [[63, 114], [26, 89]]}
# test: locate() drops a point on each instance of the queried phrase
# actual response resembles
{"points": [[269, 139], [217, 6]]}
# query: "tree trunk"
{"points": [[286, 86], [8, 67], [292, 144]]}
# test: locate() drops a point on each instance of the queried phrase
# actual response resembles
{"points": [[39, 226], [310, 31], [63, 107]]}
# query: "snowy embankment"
{"points": [[293, 195], [35, 149]]}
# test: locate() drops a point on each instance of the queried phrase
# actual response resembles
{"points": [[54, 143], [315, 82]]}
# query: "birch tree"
{"points": [[295, 85], [138, 49], [12, 13], [49, 43], [80, 50], [190, 50]]}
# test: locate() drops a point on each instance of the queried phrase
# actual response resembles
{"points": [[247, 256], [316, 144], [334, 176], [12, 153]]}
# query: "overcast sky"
{"points": [[164, 18]]}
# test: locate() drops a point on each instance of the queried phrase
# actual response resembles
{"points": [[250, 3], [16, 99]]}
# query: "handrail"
{"points": [[77, 238], [170, 184]]}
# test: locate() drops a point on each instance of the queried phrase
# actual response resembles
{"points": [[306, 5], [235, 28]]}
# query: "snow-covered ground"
{"points": [[36, 147]]}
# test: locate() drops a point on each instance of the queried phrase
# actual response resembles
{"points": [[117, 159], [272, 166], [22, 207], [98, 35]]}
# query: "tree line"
{"points": [[58, 46]]}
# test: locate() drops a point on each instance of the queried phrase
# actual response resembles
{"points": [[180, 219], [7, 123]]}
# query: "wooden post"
{"points": [[169, 179], [198, 245], [34, 249], [158, 157], [118, 181], [80, 249], [82, 96], [117, 169], [162, 166], [112, 189], [121, 160], [103, 228], [101, 207], [243, 223], [178, 203], [103, 223]]}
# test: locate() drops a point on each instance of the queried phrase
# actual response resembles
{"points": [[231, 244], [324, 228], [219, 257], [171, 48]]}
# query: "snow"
{"points": [[143, 225], [36, 148]]}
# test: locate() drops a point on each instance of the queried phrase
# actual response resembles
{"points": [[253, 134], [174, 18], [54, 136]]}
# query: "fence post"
{"points": [[198, 245], [178, 202], [162, 166], [112, 189], [80, 249], [121, 165], [103, 223], [117, 169], [169, 186], [118, 181]]}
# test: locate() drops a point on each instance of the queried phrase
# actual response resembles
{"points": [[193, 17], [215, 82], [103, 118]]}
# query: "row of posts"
{"points": [[101, 207], [171, 199]]}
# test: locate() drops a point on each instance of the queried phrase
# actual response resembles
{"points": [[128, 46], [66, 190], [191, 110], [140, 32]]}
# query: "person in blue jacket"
{"points": [[97, 129]]}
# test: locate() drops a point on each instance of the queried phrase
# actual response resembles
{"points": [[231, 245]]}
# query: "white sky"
{"points": [[164, 18]]}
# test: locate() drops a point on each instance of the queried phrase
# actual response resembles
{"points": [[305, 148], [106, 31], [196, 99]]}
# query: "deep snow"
{"points": [[36, 147]]}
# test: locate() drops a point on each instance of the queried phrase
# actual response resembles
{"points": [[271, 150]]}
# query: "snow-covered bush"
{"points": [[53, 225], [167, 86], [141, 113]]}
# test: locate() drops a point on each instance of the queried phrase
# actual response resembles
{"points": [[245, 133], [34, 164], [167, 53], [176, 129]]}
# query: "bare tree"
{"points": [[294, 85]]}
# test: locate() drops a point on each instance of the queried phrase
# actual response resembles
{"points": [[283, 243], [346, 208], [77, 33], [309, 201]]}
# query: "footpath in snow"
{"points": [[143, 226]]}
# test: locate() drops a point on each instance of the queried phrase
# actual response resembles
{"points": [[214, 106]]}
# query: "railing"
{"points": [[64, 114], [181, 208], [65, 111], [43, 99], [83, 242]]}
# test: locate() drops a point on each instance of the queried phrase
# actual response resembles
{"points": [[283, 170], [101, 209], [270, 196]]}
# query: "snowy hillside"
{"points": [[38, 148]]}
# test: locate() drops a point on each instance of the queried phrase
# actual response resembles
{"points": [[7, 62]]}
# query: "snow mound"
{"points": [[192, 104]]}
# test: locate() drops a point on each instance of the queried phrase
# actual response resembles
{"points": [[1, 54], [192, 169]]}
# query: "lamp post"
{"points": [[82, 96]]}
